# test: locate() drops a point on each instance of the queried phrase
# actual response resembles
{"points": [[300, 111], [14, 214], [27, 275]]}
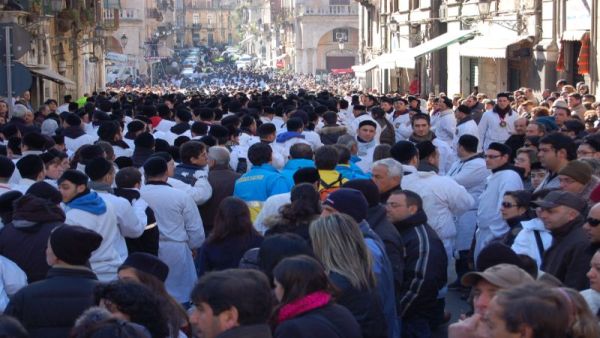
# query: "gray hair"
{"points": [[19, 111], [347, 140], [394, 168], [219, 154]]}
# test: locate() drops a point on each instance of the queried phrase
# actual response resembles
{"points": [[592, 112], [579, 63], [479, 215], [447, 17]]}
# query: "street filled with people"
{"points": [[252, 203]]}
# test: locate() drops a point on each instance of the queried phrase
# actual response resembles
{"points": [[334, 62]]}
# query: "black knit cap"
{"points": [[147, 263], [74, 244], [46, 191], [368, 189], [74, 176], [98, 168], [494, 254]]}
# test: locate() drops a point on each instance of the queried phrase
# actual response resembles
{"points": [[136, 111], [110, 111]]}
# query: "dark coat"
{"points": [[148, 241], [365, 305], [568, 259], [392, 241], [49, 308], [23, 128], [222, 180], [248, 331], [24, 240], [329, 321], [225, 254], [426, 266]]}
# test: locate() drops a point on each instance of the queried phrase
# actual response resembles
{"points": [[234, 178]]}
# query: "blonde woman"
{"points": [[339, 245]]}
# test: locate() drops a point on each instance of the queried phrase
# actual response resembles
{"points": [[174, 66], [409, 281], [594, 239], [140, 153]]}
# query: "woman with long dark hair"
{"points": [[231, 236], [296, 216], [306, 307]]}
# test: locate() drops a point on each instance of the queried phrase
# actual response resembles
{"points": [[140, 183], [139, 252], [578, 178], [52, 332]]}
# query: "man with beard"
{"points": [[498, 124]]}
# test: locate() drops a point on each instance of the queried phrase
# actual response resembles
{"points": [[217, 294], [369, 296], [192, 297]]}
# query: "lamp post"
{"points": [[124, 40], [484, 8]]}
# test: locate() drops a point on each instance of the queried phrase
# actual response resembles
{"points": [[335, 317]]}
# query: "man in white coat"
{"points": [[471, 172], [400, 119], [504, 177], [85, 208], [443, 122], [180, 227], [443, 200], [466, 125], [497, 124]]}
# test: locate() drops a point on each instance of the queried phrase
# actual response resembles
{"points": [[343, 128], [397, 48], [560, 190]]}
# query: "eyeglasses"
{"points": [[508, 205], [585, 153], [592, 221], [394, 205], [491, 157]]}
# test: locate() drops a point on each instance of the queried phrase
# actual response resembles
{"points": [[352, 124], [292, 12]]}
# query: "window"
{"points": [[196, 18], [209, 19], [340, 35], [339, 2]]}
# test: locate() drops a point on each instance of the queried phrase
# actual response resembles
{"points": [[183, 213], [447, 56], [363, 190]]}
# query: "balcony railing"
{"points": [[331, 10], [131, 14]]}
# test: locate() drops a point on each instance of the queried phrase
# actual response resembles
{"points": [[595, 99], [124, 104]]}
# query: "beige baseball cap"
{"points": [[501, 275]]}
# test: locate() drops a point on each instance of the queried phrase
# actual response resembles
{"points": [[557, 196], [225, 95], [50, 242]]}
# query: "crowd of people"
{"points": [[246, 212]]}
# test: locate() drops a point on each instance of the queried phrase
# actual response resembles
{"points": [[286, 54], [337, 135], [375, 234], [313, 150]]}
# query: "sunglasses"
{"points": [[592, 221], [510, 205]]}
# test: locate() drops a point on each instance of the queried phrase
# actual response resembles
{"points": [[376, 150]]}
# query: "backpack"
{"points": [[328, 188]]}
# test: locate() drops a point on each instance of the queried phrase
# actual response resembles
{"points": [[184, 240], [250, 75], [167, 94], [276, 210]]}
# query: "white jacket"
{"points": [[130, 225], [353, 128], [402, 126], [443, 199], [365, 152], [490, 224], [12, 279], [313, 139], [200, 192], [525, 242], [72, 144], [471, 174], [447, 156], [491, 131], [181, 231], [467, 128], [106, 259], [443, 124]]}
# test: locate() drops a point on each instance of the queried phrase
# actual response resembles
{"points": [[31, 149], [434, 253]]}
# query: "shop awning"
{"points": [[573, 35], [49, 74], [488, 47], [361, 70], [441, 41], [113, 45]]}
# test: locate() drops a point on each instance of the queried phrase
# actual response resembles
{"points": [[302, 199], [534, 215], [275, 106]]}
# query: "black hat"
{"points": [[155, 166], [7, 167], [73, 120], [367, 187], [98, 168], [74, 176], [349, 201], [501, 148], [74, 244], [426, 148], [147, 263], [494, 254], [403, 151], [367, 123], [46, 191]]}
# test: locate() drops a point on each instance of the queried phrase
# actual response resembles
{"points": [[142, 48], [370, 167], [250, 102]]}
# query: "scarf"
{"points": [[288, 135], [99, 186], [418, 139], [502, 112], [307, 303]]}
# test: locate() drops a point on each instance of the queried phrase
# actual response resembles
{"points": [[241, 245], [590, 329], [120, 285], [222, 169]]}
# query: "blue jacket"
{"points": [[260, 183], [351, 172], [292, 166]]}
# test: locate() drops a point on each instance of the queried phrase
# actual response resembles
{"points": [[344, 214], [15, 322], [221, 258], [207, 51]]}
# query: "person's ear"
{"points": [[412, 209], [228, 319], [526, 331], [81, 188]]}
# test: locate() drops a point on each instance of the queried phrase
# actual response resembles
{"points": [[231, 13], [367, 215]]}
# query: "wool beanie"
{"points": [[367, 187], [577, 170], [349, 201], [147, 263], [74, 244]]}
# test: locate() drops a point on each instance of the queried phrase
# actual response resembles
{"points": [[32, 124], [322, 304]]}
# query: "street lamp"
{"points": [[124, 40], [443, 11], [484, 7], [57, 5], [393, 25]]}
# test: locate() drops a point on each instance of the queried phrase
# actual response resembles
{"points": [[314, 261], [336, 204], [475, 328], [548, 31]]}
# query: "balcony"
{"points": [[131, 14], [331, 10], [154, 13]]}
